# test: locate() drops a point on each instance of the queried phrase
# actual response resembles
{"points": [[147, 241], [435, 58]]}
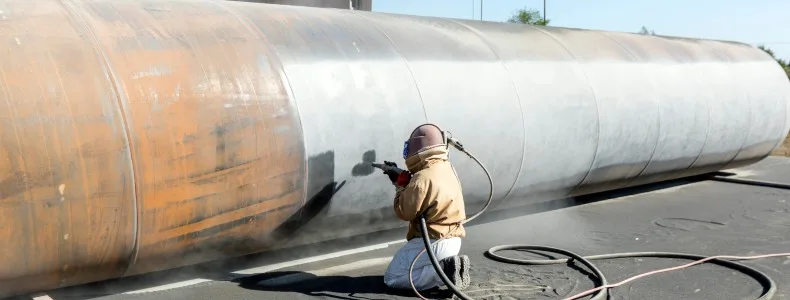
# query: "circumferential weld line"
{"points": [[405, 61], [705, 142], [658, 107], [751, 121], [583, 71], [277, 66], [121, 100], [490, 46]]}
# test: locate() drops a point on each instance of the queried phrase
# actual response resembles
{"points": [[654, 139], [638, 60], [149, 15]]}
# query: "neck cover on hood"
{"points": [[427, 157]]}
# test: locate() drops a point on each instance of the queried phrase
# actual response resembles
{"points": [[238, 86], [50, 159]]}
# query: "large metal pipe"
{"points": [[144, 135]]}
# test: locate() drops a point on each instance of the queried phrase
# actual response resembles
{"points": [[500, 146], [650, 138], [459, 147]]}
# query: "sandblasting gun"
{"points": [[388, 167]]}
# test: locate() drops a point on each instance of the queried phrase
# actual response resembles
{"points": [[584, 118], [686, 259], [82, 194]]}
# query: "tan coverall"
{"points": [[435, 191]]}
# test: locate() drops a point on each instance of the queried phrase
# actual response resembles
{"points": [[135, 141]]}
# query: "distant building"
{"points": [[346, 4]]}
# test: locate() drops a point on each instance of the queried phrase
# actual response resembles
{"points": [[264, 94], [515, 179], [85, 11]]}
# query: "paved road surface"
{"points": [[704, 217]]}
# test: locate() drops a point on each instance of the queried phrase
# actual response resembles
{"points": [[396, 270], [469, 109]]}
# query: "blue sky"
{"points": [[755, 22]]}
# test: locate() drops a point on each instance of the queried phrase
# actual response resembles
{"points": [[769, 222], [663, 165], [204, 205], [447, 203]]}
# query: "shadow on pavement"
{"points": [[337, 287], [539, 206]]}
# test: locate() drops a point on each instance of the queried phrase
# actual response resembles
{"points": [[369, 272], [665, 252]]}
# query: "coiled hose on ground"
{"points": [[602, 285]]}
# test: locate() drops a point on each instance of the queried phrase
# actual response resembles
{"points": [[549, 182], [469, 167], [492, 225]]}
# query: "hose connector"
{"points": [[456, 143]]}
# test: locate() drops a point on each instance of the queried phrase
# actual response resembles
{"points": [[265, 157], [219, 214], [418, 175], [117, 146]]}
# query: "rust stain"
{"points": [[221, 218], [66, 212], [105, 100], [202, 113]]}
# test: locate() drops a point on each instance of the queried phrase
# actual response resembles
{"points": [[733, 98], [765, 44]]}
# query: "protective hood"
{"points": [[423, 137]]}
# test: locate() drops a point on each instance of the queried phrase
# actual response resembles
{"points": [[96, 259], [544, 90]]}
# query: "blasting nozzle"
{"points": [[387, 167]]}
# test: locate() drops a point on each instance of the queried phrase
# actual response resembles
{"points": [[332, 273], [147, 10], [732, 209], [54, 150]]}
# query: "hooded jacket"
{"points": [[435, 190]]}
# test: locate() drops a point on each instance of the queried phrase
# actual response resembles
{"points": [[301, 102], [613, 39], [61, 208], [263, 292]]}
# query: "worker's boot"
{"points": [[457, 269]]}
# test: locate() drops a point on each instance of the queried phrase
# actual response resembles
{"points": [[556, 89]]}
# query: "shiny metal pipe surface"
{"points": [[144, 135]]}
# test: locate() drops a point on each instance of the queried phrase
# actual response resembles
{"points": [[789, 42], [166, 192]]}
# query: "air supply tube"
{"points": [[602, 285]]}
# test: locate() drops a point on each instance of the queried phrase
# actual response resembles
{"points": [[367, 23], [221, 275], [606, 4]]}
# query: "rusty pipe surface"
{"points": [[144, 135]]}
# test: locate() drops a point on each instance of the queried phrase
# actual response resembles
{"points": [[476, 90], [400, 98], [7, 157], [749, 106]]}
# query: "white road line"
{"points": [[42, 297], [272, 267], [269, 268], [174, 285], [298, 277]]}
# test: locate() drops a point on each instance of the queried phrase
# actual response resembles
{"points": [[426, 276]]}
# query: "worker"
{"points": [[430, 188]]}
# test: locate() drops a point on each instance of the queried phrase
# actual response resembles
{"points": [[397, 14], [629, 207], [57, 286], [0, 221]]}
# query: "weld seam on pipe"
{"points": [[397, 50], [748, 131], [583, 71], [283, 76], [120, 100], [518, 100], [658, 115]]}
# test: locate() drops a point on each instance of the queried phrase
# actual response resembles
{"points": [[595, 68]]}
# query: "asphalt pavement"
{"points": [[691, 216]]}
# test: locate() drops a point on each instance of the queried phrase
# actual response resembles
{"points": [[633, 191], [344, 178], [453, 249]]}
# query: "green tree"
{"points": [[783, 63], [645, 31], [528, 16]]}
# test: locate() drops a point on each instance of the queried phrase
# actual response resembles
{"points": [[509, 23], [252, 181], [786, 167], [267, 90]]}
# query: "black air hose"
{"points": [[600, 291]]}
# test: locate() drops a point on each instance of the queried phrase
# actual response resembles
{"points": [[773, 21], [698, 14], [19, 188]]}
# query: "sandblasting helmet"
{"points": [[424, 136]]}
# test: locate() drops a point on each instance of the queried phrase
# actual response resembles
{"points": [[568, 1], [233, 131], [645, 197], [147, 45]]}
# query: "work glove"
{"points": [[399, 179], [392, 174]]}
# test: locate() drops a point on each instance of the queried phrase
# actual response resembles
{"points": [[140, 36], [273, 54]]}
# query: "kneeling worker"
{"points": [[430, 188]]}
